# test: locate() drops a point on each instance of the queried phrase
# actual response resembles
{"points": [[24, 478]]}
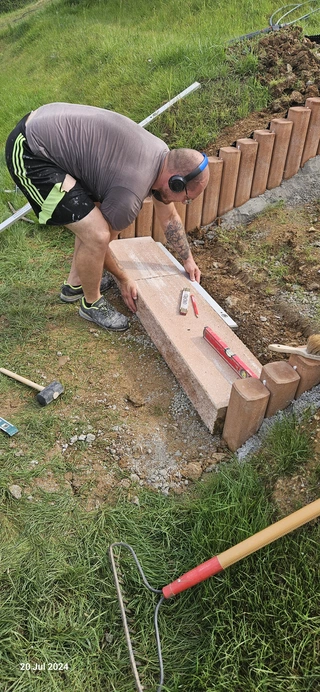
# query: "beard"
{"points": [[161, 196]]}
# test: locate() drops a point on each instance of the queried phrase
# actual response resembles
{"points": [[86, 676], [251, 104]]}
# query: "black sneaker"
{"points": [[104, 315], [69, 294]]}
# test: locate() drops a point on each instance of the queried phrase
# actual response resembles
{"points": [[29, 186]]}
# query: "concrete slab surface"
{"points": [[197, 287], [203, 374]]}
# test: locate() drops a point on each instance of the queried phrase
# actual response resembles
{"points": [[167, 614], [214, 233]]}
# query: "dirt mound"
{"points": [[289, 65]]}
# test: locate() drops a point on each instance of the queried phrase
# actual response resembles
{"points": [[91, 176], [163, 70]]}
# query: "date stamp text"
{"points": [[36, 666]]}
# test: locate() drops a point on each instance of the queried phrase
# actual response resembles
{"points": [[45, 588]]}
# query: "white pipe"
{"points": [[15, 217], [180, 96]]}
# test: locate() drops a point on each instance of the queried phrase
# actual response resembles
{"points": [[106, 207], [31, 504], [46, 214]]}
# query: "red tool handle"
{"points": [[237, 552], [195, 576], [228, 356]]}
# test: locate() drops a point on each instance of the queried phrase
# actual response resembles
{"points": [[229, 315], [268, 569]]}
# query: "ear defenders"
{"points": [[178, 183]]}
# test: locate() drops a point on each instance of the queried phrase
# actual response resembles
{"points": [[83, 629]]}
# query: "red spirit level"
{"points": [[228, 356]]}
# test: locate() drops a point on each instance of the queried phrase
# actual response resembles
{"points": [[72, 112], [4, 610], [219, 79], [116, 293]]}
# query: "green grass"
{"points": [[253, 628], [287, 448], [9, 6], [133, 57], [30, 256]]}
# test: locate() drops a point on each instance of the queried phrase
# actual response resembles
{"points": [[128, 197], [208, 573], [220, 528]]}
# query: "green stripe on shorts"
{"points": [[20, 171], [51, 202]]}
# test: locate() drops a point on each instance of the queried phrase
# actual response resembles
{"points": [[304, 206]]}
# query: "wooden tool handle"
{"points": [[270, 534], [237, 552], [22, 379], [280, 348], [297, 350]]}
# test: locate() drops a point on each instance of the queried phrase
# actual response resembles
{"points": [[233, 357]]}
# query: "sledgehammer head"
{"points": [[49, 393]]}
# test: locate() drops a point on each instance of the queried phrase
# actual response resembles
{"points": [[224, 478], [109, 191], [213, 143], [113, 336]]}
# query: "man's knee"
{"points": [[92, 230]]}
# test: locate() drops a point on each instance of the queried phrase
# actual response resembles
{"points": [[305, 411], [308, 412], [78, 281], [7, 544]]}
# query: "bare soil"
{"points": [[266, 276], [239, 269]]}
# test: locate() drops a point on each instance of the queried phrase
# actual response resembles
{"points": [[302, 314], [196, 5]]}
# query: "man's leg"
{"points": [[92, 238], [91, 244], [73, 277], [72, 290]]}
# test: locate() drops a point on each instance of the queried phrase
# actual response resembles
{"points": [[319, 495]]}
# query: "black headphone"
{"points": [[178, 183]]}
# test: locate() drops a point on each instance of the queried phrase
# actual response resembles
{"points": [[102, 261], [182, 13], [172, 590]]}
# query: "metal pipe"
{"points": [[15, 217], [167, 105]]}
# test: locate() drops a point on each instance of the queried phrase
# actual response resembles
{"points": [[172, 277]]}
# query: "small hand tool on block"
{"points": [[311, 350], [228, 356], [184, 304], [46, 394]]}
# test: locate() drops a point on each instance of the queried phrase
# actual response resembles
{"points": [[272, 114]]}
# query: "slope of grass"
{"points": [[132, 57], [9, 6]]}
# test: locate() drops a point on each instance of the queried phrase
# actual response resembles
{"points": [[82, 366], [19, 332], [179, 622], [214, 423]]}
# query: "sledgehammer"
{"points": [[46, 394]]}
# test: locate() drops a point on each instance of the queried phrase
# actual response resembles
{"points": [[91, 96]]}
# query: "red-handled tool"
{"points": [[228, 356], [238, 552], [205, 570]]}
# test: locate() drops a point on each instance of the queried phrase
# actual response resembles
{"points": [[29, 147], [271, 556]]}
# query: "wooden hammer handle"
{"points": [[281, 348], [22, 379], [297, 350]]}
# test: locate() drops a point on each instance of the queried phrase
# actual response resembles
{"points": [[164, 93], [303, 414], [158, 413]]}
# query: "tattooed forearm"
{"points": [[176, 237]]}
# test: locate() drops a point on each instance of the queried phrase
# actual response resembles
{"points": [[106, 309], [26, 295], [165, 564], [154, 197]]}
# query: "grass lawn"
{"points": [[256, 627]]}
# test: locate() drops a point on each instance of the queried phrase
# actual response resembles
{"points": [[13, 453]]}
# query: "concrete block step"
{"points": [[205, 377]]}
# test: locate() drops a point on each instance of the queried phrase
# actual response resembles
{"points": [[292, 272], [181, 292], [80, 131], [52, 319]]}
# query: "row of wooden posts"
{"points": [[244, 170]]}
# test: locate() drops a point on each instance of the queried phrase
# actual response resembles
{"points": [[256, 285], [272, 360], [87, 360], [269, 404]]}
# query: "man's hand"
{"points": [[192, 269], [129, 293]]}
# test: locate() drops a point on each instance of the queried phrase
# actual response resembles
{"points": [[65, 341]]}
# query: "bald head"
{"points": [[179, 163], [183, 161]]}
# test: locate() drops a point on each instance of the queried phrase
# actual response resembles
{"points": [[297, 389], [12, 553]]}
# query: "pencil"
{"points": [[195, 307]]}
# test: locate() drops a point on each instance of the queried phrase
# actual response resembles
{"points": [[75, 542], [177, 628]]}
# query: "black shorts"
{"points": [[40, 180]]}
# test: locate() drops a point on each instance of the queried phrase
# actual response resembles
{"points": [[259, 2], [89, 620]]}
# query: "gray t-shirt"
{"points": [[114, 158]]}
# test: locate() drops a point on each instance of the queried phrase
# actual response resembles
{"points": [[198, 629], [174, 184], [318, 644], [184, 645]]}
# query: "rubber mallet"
{"points": [[46, 394]]}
